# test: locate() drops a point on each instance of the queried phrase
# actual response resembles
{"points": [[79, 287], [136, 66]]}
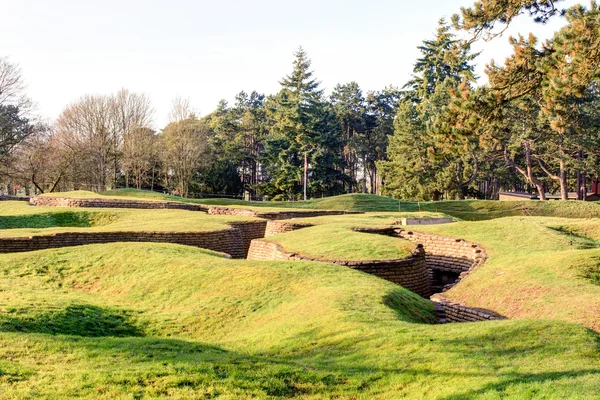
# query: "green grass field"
{"points": [[536, 268], [145, 321], [468, 210], [19, 219], [333, 238], [140, 320]]}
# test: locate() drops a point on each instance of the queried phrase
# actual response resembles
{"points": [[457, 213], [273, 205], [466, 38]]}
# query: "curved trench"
{"points": [[446, 260]]}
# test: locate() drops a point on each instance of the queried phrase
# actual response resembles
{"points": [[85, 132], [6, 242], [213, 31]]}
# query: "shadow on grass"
{"points": [[328, 366], [48, 220], [81, 320], [409, 307]]}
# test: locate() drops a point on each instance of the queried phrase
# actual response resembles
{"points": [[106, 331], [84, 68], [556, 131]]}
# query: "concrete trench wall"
{"points": [[454, 255], [275, 227], [47, 201], [410, 273], [451, 255], [447, 254], [456, 312], [278, 215], [43, 201], [234, 242], [433, 252], [13, 198]]}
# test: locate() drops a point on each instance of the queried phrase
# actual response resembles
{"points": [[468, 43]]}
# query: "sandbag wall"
{"points": [[410, 273], [234, 241], [47, 201], [447, 254]]}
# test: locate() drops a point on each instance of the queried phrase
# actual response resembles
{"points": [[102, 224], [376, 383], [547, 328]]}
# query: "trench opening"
{"points": [[440, 279]]}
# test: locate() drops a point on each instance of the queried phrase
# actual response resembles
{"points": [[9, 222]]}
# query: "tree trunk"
{"points": [[364, 188], [564, 188]]}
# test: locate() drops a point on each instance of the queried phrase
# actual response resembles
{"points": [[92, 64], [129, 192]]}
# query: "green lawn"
{"points": [[469, 210], [139, 320], [536, 268], [333, 238], [19, 219], [148, 321]]}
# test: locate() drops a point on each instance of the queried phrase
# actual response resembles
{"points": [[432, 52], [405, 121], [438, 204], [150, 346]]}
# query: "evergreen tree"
{"points": [[428, 156], [301, 124], [350, 111]]}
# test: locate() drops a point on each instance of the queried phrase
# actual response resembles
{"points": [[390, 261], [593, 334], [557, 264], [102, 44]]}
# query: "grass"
{"points": [[468, 210], [183, 323], [536, 269], [333, 238], [335, 242], [137, 320], [19, 219]]}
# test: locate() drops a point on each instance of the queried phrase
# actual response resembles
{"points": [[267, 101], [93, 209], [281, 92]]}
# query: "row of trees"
{"points": [[532, 127], [260, 145]]}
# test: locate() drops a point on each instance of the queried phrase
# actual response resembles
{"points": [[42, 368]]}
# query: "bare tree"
{"points": [[181, 109], [129, 112], [12, 86], [185, 148], [139, 155], [96, 126], [87, 123], [16, 122]]}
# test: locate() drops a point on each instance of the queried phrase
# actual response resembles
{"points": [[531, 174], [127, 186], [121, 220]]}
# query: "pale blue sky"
{"points": [[208, 50]]}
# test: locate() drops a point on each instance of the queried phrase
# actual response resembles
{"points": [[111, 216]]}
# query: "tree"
{"points": [[381, 107], [181, 109], [139, 154], [129, 113], [554, 78], [87, 123], [47, 160], [16, 123], [97, 125], [429, 154], [350, 110], [483, 16], [301, 129], [239, 137], [184, 149], [14, 129]]}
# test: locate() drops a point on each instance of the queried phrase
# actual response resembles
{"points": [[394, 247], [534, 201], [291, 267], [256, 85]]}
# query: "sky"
{"points": [[212, 50]]}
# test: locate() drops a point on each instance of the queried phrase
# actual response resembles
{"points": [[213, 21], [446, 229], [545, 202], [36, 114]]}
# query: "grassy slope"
{"points": [[19, 219], [333, 238], [187, 324], [337, 242], [534, 271], [470, 210]]}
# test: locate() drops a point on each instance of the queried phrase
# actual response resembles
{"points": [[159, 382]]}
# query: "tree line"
{"points": [[532, 127], [259, 145]]}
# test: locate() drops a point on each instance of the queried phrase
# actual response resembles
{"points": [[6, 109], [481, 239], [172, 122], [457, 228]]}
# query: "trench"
{"points": [[437, 264]]}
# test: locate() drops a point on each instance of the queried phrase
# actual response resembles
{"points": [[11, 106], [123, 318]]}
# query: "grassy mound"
{"points": [[337, 242], [334, 238], [536, 269], [184, 323], [469, 210], [19, 219]]}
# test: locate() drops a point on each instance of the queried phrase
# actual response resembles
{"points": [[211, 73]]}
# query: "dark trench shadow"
{"points": [[78, 319]]}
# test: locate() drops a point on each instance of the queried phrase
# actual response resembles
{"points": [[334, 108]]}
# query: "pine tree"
{"points": [[301, 124], [349, 107], [427, 155]]}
